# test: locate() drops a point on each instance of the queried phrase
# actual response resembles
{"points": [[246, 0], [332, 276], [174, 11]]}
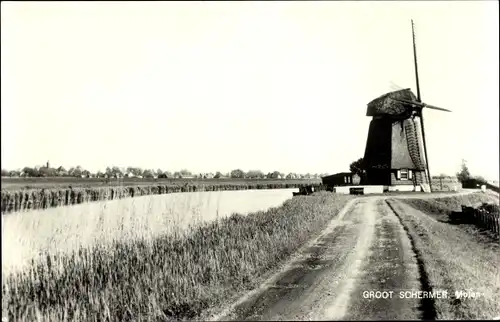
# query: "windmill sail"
{"points": [[395, 153], [394, 87], [420, 99]]}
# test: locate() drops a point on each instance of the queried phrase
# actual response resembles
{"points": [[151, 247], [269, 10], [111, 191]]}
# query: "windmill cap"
{"points": [[386, 105]]}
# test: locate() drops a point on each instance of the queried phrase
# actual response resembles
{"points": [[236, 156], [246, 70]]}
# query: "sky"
{"points": [[215, 86]]}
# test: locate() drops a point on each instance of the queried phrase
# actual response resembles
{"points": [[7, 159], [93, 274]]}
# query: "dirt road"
{"points": [[364, 250]]}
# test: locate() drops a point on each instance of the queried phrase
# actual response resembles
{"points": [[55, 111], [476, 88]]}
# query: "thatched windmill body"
{"points": [[396, 153]]}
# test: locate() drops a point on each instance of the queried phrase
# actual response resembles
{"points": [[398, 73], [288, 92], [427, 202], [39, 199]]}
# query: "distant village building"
{"points": [[184, 176], [206, 175], [85, 174], [61, 171]]}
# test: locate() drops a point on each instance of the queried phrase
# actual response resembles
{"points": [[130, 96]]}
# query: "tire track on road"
{"points": [[427, 305], [389, 269], [289, 293], [338, 308]]}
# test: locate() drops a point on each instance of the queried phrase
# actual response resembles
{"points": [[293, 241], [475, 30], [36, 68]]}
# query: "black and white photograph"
{"points": [[250, 160]]}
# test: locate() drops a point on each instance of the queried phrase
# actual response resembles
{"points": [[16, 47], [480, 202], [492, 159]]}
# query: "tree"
{"points": [[357, 167], [275, 174], [61, 172], [148, 174], [166, 175], [116, 171], [185, 172], [237, 173], [14, 173], [30, 172], [480, 179], [5, 173], [77, 172], [86, 173], [47, 172], [255, 174], [218, 174], [464, 173]]}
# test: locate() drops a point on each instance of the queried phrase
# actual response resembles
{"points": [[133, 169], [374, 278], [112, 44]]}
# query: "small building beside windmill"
{"points": [[341, 179]]}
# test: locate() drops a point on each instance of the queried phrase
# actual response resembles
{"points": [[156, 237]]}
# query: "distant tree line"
{"points": [[137, 172], [467, 180]]}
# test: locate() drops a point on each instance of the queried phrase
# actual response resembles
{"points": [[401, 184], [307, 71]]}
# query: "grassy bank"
{"points": [[16, 200], [455, 259], [169, 277], [440, 208]]}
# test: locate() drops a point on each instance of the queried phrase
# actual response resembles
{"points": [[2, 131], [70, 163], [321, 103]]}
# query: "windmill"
{"points": [[396, 149]]}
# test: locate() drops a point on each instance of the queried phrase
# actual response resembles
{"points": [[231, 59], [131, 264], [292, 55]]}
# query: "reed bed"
{"points": [[66, 182], [30, 199], [169, 277]]}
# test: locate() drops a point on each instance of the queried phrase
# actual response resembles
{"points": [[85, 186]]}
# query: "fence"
{"points": [[486, 217], [492, 187]]}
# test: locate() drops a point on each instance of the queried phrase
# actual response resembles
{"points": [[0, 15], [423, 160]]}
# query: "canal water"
{"points": [[62, 229]]}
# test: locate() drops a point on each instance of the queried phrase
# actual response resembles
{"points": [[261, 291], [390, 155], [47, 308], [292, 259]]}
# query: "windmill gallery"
{"points": [[395, 156]]}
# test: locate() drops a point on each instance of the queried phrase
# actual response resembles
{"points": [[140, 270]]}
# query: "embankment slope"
{"points": [[455, 258]]}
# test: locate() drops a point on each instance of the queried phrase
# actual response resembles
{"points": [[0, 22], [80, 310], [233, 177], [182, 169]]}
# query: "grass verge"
{"points": [[440, 207], [170, 277], [454, 259]]}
